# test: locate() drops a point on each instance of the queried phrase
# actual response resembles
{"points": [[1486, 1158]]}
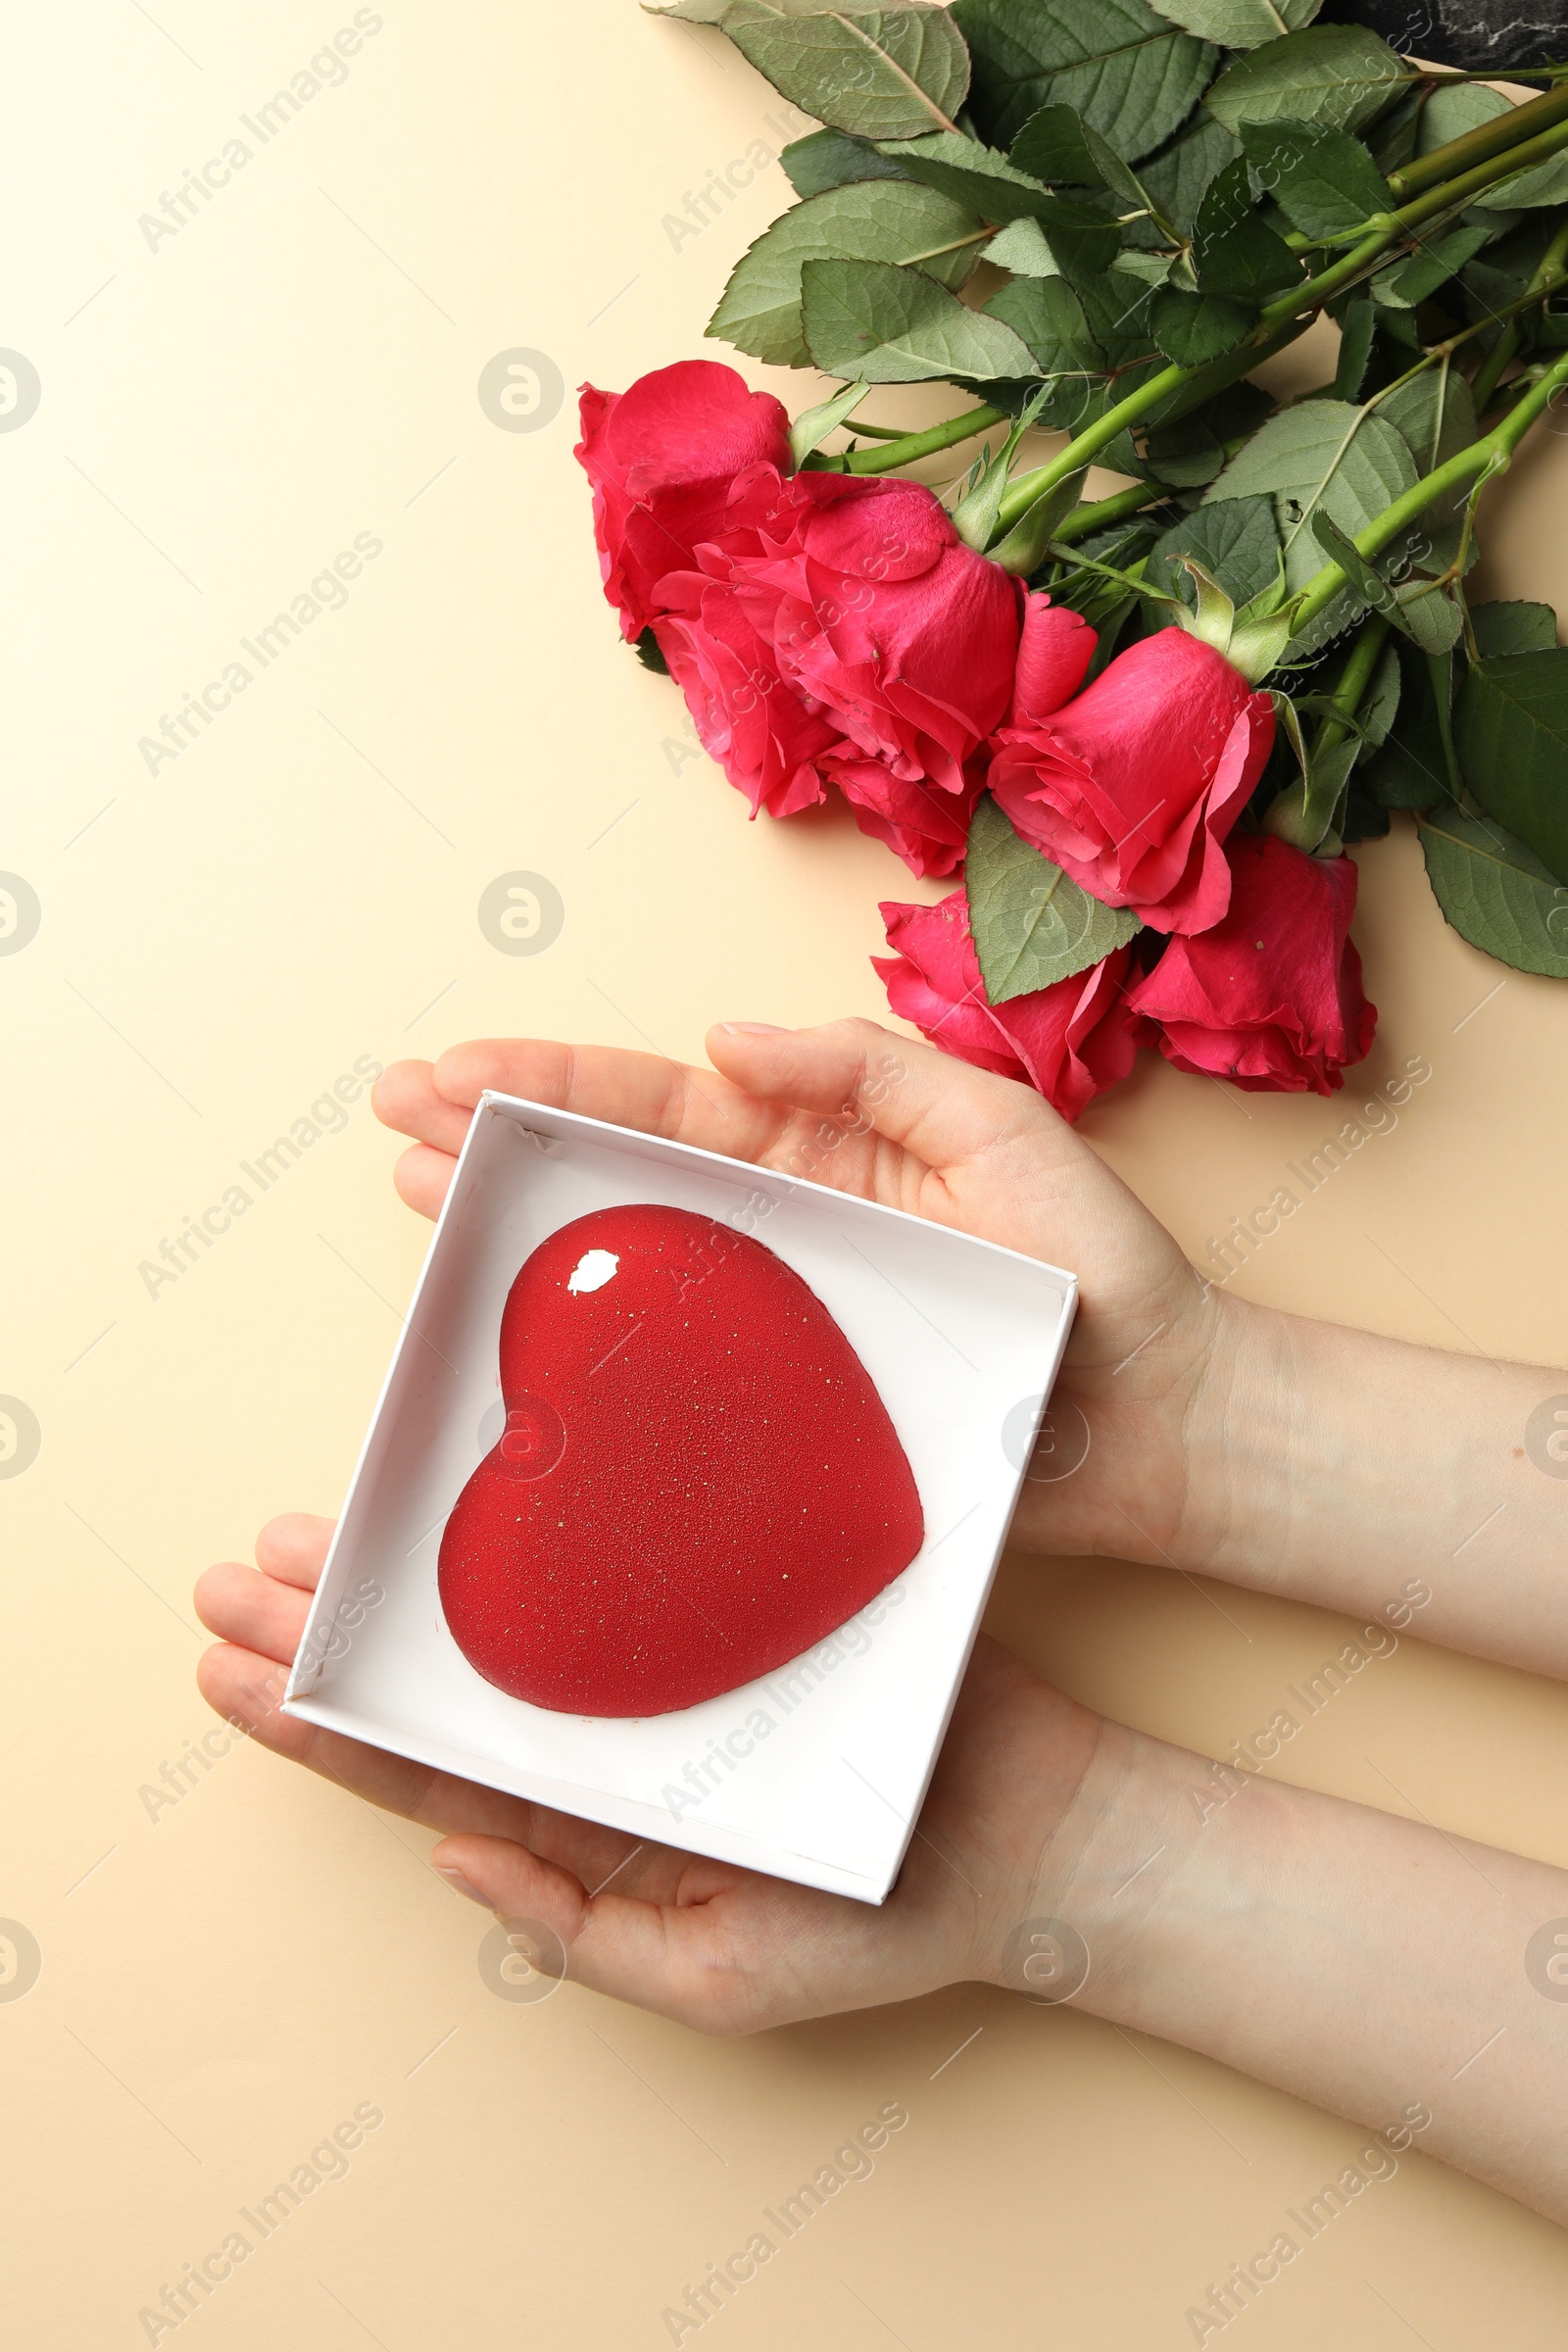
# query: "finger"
{"points": [[722, 1949], [405, 1099], [294, 1546], [677, 1957], [423, 1177], [248, 1690], [630, 1090], [944, 1111], [247, 1686], [259, 1612]]}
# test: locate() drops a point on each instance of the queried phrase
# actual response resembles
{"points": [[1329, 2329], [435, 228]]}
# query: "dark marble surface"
{"points": [[1485, 36]]}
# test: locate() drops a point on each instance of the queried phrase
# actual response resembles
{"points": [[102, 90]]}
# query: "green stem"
{"points": [[1354, 679], [1100, 513], [1548, 274], [1454, 194], [1487, 139], [1492, 453], [910, 445], [1305, 813], [1184, 388]]}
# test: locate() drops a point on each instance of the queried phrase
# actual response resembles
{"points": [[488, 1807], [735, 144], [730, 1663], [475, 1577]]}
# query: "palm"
{"points": [[718, 1947], [869, 1114]]}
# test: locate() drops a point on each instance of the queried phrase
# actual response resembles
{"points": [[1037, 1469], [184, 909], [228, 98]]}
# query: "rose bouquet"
{"points": [[1142, 727]]}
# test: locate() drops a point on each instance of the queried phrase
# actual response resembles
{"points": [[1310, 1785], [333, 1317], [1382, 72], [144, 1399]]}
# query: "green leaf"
{"points": [[1240, 23], [1030, 925], [1177, 176], [1381, 706], [1023, 548], [1546, 183], [1513, 628], [1083, 242], [831, 159], [1429, 616], [1049, 317], [1194, 328], [1412, 768], [1356, 327], [885, 73], [1455, 107], [1323, 181], [1320, 452], [1235, 252], [759, 310], [1125, 70], [1511, 732], [1409, 281], [1497, 893], [650, 654], [1117, 306], [1185, 454], [1022, 248], [899, 326], [813, 425], [1236, 543], [1337, 75], [1433, 617], [1057, 144], [1434, 412], [1052, 147]]}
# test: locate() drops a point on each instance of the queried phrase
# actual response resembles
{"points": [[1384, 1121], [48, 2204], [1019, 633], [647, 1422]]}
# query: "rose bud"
{"points": [[1271, 996], [1134, 786], [1069, 1042]]}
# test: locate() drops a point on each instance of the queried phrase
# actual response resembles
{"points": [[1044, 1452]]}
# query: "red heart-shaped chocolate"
{"points": [[696, 1481]]}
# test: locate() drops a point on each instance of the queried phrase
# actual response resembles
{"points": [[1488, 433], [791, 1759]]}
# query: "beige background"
{"points": [[220, 1985]]}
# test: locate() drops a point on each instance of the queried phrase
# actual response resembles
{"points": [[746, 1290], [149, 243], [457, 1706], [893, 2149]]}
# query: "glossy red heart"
{"points": [[696, 1481]]}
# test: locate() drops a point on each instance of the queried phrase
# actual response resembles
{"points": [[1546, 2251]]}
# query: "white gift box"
{"points": [[816, 1771]]}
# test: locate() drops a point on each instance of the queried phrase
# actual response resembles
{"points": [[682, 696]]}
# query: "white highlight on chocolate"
{"points": [[593, 1271]]}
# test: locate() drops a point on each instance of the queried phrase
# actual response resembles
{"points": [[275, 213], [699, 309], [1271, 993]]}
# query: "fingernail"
{"points": [[753, 1029], [460, 1885]]}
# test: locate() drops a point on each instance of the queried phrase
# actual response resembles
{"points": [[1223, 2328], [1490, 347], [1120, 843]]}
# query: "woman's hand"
{"points": [[723, 1949], [1149, 1366], [1375, 1965], [1297, 1457]]}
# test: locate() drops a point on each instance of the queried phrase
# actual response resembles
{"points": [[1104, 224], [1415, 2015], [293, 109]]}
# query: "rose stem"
{"points": [[1486, 140], [1284, 315], [1100, 513], [1305, 812], [1548, 274], [910, 445], [1491, 453]]}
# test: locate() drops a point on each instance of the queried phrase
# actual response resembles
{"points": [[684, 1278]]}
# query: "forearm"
{"points": [[1354, 1471], [1366, 1963]]}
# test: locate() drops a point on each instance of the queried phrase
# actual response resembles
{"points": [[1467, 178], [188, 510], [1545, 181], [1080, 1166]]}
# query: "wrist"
{"points": [[1077, 1904]]}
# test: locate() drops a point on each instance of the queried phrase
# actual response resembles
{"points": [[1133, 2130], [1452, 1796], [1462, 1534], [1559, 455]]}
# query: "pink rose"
{"points": [[1271, 996], [715, 634], [1068, 1042], [838, 629], [1132, 788], [661, 457]]}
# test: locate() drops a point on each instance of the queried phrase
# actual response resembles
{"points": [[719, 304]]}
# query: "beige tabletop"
{"points": [[241, 379]]}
